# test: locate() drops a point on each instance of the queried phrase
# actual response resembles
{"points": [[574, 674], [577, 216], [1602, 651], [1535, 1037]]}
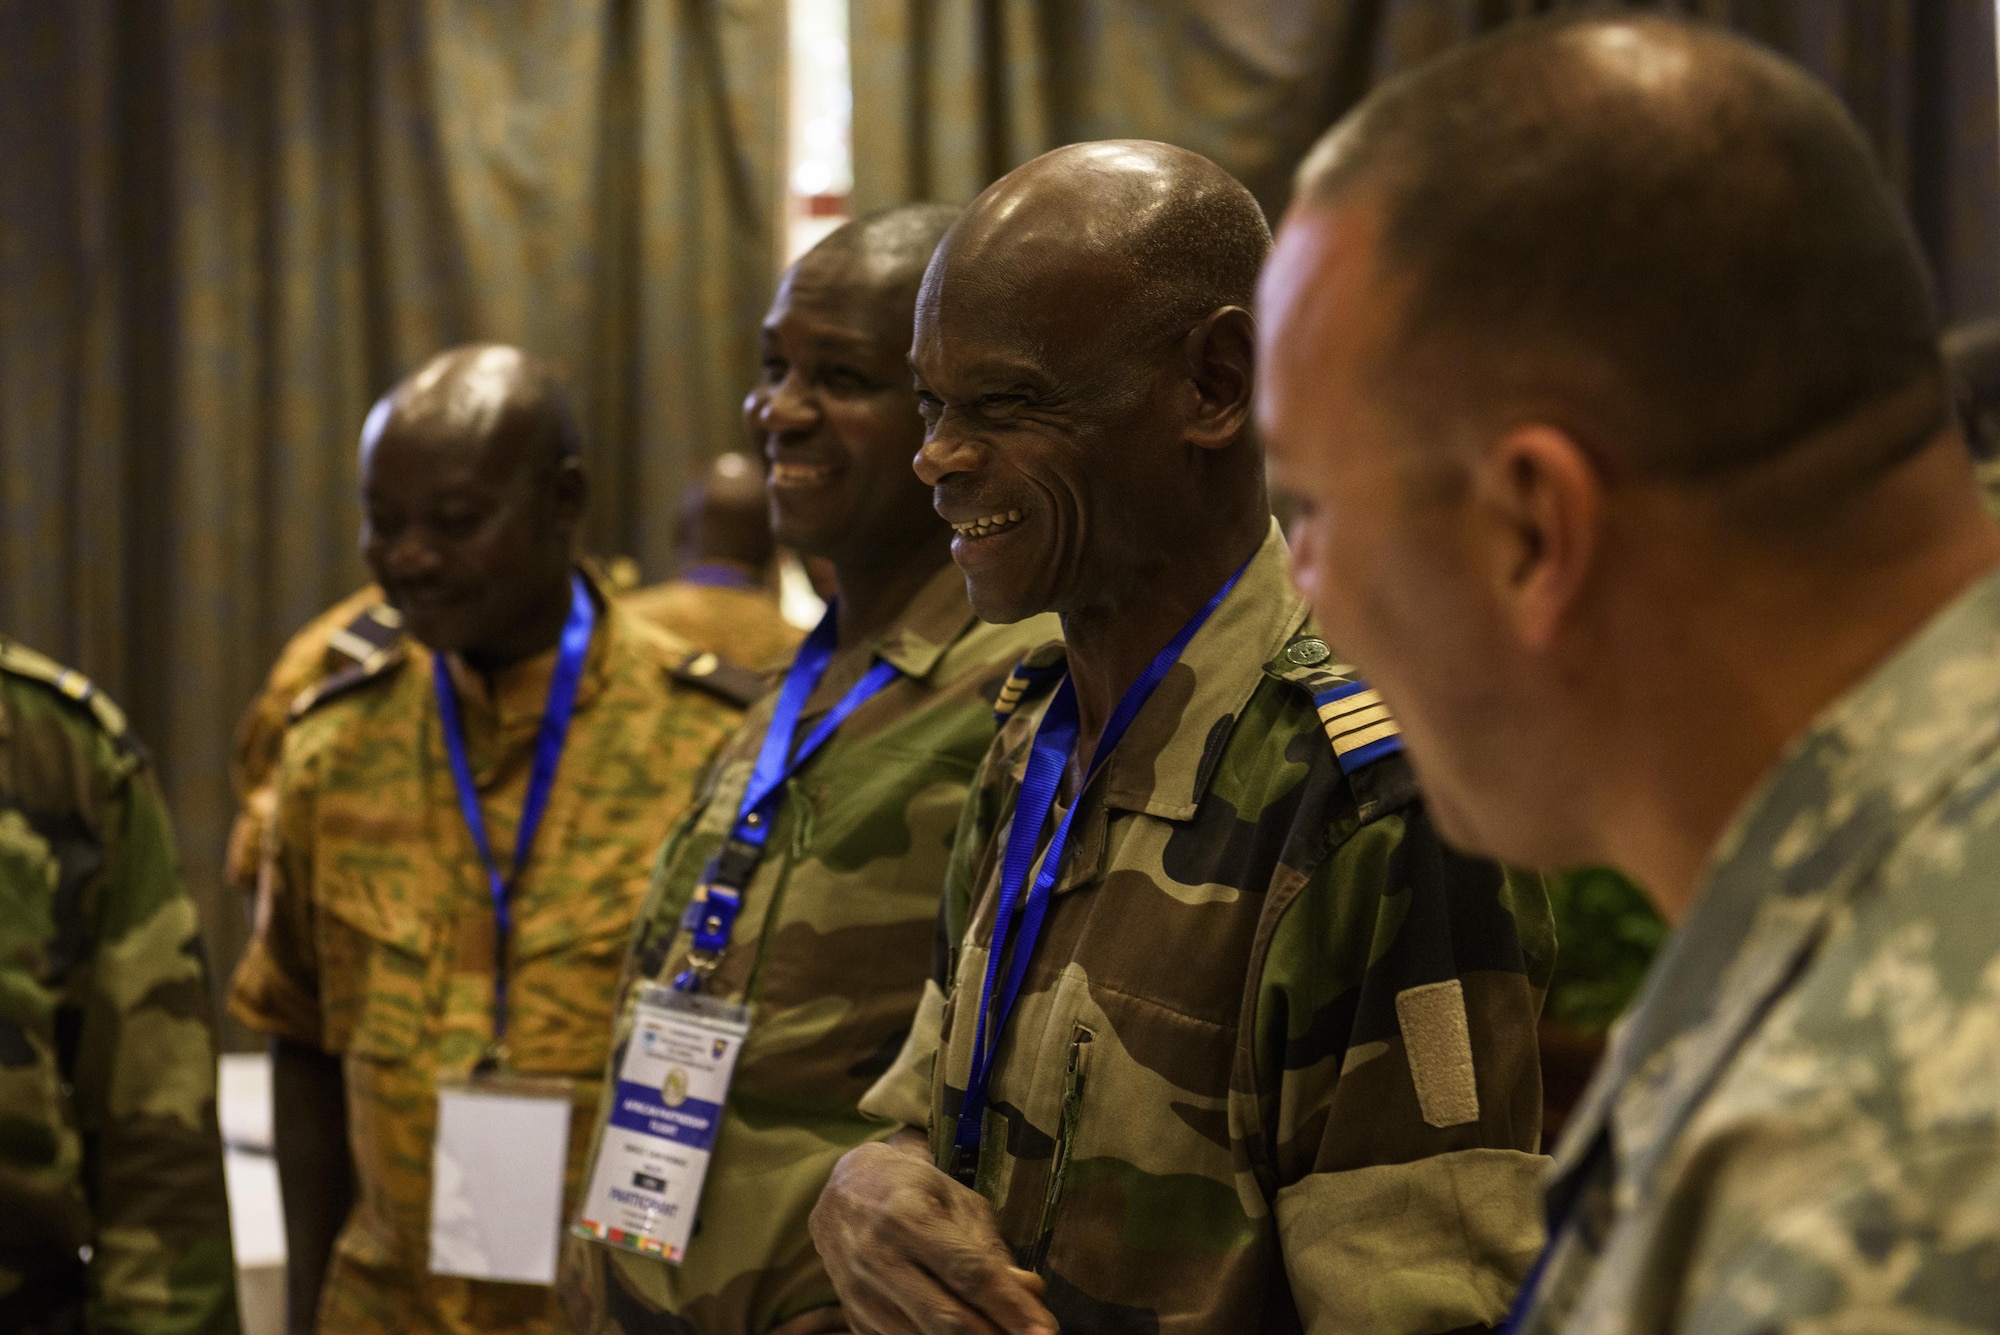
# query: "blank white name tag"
{"points": [[497, 1179], [652, 1154]]}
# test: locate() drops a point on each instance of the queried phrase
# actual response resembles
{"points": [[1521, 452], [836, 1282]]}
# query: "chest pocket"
{"points": [[377, 932]]}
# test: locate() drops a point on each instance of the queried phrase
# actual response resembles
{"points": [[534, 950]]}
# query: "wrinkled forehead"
{"points": [[1057, 301], [851, 296]]}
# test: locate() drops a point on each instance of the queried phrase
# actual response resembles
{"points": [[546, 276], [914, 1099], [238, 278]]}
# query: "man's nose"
{"points": [[784, 408], [409, 556], [947, 449]]}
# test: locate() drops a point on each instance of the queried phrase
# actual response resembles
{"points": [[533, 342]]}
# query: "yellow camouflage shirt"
{"points": [[374, 936]]}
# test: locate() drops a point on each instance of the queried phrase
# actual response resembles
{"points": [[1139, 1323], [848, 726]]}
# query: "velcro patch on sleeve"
{"points": [[1358, 724], [1438, 1041]]}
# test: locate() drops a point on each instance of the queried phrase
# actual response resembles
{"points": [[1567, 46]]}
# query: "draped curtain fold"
{"points": [[229, 224], [950, 94]]}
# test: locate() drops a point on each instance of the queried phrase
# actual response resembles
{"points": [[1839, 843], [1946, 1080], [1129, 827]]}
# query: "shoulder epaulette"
{"points": [[1358, 725], [345, 680], [731, 682], [21, 661], [1034, 675], [366, 640]]}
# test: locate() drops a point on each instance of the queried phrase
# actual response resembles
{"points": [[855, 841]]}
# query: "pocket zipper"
{"points": [[1072, 1108]]}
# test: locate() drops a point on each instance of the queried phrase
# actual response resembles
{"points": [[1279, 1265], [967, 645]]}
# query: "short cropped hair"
{"points": [[1655, 219]]}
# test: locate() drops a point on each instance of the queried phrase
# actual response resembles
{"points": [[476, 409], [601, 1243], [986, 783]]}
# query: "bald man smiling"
{"points": [[1224, 1039], [459, 843]]}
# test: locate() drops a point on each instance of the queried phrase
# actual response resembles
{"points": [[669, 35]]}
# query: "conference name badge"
{"points": [[497, 1177], [654, 1143]]}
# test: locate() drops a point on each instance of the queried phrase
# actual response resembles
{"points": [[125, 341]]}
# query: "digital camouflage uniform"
{"points": [[831, 951], [108, 1136], [1798, 1125], [374, 932], [1273, 1061], [741, 627]]}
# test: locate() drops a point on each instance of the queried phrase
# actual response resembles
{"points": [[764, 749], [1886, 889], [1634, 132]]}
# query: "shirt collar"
{"points": [[929, 624], [1813, 829], [519, 692], [1166, 760]]}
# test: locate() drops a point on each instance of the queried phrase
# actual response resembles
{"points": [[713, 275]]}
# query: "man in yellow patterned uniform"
{"points": [[380, 962]]}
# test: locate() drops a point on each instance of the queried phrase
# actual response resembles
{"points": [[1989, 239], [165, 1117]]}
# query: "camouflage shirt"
{"points": [[374, 936], [742, 626], [831, 949], [1798, 1124], [1273, 1062], [108, 1138]]}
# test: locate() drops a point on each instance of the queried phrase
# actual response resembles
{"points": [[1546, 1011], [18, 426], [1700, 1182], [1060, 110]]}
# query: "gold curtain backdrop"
{"points": [[227, 224], [949, 94]]}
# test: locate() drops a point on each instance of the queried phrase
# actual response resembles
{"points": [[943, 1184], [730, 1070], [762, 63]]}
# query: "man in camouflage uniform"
{"points": [[113, 1217], [1601, 357], [1273, 1061], [833, 942], [715, 602], [373, 956]]}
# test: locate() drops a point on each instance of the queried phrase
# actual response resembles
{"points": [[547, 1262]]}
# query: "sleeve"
{"points": [[146, 1079], [276, 987], [1395, 1020]]}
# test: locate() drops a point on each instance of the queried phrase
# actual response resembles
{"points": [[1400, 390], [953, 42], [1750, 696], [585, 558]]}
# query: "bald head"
{"points": [[724, 517], [472, 493], [1084, 353], [1160, 234], [481, 394], [1676, 233]]}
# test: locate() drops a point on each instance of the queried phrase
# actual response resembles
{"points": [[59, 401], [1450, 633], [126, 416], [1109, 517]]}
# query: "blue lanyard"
{"points": [[1054, 738], [548, 752], [711, 914]]}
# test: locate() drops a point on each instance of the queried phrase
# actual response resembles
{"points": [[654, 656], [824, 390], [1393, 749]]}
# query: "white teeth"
{"points": [[979, 528], [792, 475]]}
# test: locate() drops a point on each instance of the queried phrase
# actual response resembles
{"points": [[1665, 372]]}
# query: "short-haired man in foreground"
{"points": [[1601, 358], [1256, 1049], [836, 879], [458, 846]]}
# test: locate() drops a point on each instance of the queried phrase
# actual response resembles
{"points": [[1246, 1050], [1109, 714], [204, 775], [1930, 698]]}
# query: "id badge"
{"points": [[653, 1148], [497, 1178]]}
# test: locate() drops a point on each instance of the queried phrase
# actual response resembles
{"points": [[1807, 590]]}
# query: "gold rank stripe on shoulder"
{"points": [[1025, 678], [1358, 725], [25, 662], [369, 638], [723, 679]]}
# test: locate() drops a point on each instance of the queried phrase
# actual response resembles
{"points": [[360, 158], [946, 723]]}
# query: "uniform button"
{"points": [[1308, 652]]}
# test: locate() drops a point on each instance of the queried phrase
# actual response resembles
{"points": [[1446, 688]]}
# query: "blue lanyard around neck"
{"points": [[549, 739], [1054, 738], [712, 914]]}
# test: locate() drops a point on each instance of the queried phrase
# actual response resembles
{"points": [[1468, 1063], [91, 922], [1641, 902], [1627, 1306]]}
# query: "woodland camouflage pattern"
{"points": [[374, 931], [1798, 1126], [832, 948], [108, 1135], [1346, 1143]]}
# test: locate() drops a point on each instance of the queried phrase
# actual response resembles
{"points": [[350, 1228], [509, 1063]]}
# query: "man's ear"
{"points": [[1220, 355], [1545, 499]]}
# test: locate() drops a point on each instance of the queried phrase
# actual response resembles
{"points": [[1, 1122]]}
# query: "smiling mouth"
{"points": [[987, 525], [801, 475]]}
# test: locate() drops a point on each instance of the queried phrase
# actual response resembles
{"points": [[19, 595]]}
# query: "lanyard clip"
{"points": [[711, 914]]}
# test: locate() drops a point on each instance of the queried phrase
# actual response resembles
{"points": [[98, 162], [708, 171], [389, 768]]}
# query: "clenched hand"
{"points": [[912, 1252]]}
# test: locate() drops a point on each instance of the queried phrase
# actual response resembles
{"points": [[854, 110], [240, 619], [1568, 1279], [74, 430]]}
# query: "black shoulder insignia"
{"points": [[731, 682], [365, 641], [345, 680], [20, 661], [1035, 674]]}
